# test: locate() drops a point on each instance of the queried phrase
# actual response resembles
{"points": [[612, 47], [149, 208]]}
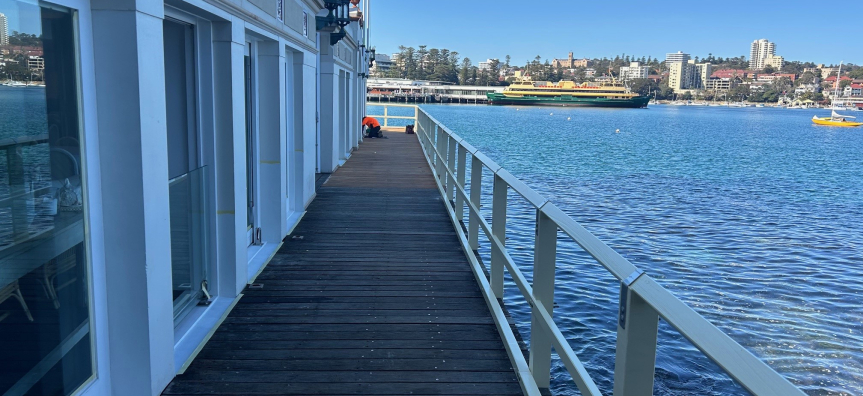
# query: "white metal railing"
{"points": [[642, 300], [386, 116]]}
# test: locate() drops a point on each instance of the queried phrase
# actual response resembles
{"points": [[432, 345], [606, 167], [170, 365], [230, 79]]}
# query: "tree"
{"points": [[24, 39], [464, 73], [740, 92], [508, 58], [644, 86], [806, 78], [769, 69]]}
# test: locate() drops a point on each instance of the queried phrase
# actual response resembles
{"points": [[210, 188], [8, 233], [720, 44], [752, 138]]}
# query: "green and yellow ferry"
{"points": [[567, 94]]}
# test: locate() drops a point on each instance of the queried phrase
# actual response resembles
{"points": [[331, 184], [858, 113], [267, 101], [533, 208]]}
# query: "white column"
{"points": [[272, 141], [328, 144], [130, 96], [310, 126], [230, 145], [297, 120], [341, 115]]}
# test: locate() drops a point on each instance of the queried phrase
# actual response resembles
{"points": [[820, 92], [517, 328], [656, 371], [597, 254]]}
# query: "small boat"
{"points": [[836, 120]]}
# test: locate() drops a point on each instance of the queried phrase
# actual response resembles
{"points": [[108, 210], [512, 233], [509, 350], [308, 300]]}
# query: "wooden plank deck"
{"points": [[371, 295]]}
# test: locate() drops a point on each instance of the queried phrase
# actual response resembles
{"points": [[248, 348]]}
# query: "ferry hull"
{"points": [[500, 99]]}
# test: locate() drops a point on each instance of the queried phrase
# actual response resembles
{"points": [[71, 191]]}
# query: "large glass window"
{"points": [[45, 337], [187, 178]]}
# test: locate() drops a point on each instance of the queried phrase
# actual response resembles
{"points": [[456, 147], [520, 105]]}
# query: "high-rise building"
{"points": [[676, 57], [702, 73], [634, 71], [688, 75], [679, 75], [759, 51], [4, 30]]}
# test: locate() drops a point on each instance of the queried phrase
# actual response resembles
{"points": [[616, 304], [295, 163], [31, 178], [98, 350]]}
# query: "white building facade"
{"points": [[759, 51], [486, 65], [678, 56], [4, 29], [171, 148], [634, 71]]}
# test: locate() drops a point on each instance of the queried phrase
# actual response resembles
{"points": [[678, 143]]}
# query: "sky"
{"points": [[482, 29], [22, 16]]}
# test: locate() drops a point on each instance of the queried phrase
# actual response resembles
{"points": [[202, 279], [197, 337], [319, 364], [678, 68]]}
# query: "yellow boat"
{"points": [[835, 120]]}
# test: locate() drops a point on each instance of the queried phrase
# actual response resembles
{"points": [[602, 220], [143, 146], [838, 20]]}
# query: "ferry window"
{"points": [[45, 335]]}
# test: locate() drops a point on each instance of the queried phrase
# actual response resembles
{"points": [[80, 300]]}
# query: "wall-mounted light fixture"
{"points": [[338, 16]]}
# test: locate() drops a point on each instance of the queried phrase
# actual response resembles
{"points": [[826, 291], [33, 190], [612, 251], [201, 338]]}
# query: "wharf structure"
{"points": [[410, 91], [174, 145], [169, 226]]}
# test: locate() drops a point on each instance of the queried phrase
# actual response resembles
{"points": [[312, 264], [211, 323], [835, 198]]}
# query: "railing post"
{"points": [[459, 200], [450, 180], [416, 113], [498, 229], [544, 257], [475, 194], [635, 360], [430, 131], [440, 159], [386, 113]]}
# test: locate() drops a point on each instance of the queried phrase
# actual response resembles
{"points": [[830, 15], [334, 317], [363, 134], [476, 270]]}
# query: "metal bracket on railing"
{"points": [[624, 292]]}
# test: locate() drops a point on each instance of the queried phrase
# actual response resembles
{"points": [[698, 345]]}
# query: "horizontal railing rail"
{"points": [[386, 117], [642, 301]]}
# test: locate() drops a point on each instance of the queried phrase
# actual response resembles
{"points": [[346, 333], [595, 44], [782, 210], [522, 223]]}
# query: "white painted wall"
{"points": [[134, 175], [127, 160]]}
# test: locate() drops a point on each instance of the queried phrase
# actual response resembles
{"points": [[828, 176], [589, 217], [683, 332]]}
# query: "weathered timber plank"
{"points": [[370, 295]]}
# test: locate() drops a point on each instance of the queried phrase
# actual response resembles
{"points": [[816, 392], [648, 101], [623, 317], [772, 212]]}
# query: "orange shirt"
{"points": [[371, 122]]}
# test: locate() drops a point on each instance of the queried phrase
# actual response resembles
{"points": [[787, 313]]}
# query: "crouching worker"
{"points": [[373, 127]]}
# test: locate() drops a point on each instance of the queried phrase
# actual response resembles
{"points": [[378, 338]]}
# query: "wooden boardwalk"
{"points": [[370, 295]]}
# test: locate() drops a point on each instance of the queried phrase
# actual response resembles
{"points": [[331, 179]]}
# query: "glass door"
{"points": [[251, 117], [186, 177], [45, 315]]}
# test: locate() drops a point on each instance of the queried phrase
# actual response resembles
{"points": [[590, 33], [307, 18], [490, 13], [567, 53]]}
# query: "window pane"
{"points": [[44, 306]]}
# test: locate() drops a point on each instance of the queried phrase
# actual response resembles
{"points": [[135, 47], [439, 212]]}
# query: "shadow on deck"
{"points": [[370, 295]]}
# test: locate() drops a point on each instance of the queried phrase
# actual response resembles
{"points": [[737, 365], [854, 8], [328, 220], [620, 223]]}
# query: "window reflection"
{"points": [[44, 309]]}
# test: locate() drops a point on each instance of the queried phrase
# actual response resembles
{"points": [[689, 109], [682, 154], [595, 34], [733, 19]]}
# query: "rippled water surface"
{"points": [[753, 216]]}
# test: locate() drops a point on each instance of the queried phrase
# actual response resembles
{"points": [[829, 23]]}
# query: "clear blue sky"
{"points": [[481, 29]]}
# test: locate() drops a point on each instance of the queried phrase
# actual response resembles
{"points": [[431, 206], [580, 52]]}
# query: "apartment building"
{"points": [[759, 51], [634, 71]]}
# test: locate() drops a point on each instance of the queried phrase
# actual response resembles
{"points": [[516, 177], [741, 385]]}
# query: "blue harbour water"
{"points": [[23, 114], [752, 216]]}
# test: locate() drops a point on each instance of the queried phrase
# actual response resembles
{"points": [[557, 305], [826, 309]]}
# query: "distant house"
{"points": [[731, 73], [763, 77], [832, 79], [803, 88], [853, 90]]}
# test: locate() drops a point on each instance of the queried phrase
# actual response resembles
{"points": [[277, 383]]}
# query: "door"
{"points": [[186, 176], [251, 118]]}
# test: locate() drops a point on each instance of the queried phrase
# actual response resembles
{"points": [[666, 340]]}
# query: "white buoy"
{"points": [[568, 118], [551, 114], [617, 131]]}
